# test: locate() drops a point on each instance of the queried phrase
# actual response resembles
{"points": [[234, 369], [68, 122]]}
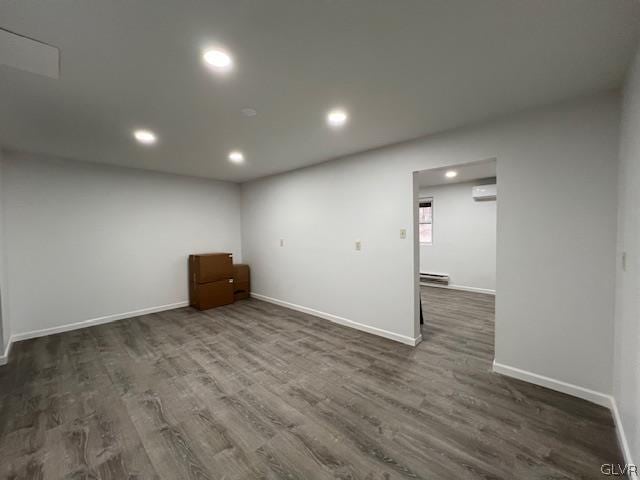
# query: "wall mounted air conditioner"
{"points": [[484, 192]]}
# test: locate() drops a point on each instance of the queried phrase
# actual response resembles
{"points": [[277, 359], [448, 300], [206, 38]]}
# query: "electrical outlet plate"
{"points": [[403, 233], [358, 245]]}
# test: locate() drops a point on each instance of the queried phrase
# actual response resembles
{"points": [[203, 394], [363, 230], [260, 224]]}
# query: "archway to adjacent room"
{"points": [[455, 225]]}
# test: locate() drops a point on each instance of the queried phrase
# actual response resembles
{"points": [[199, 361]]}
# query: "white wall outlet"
{"points": [[403, 233], [358, 245], [282, 242]]}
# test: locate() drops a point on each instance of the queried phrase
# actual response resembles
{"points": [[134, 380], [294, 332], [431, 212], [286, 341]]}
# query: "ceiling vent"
{"points": [[29, 55]]}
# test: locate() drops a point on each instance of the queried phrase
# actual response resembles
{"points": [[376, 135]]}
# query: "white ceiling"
{"points": [[465, 173], [402, 68]]}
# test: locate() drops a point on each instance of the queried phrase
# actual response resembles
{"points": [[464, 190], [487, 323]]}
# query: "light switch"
{"points": [[403, 233], [282, 242], [358, 245]]}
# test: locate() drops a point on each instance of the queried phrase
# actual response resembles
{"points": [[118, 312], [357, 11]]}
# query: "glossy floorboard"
{"points": [[254, 390]]}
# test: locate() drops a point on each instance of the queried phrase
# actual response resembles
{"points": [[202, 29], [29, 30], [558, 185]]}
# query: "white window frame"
{"points": [[420, 200]]}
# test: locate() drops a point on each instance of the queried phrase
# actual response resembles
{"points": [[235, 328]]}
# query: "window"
{"points": [[425, 220]]}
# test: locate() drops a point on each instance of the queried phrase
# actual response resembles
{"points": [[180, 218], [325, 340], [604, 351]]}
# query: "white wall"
{"points": [[86, 241], [627, 324], [556, 235], [464, 237]]}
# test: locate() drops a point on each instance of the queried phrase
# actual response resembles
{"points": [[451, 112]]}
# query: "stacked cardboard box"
{"points": [[240, 281], [210, 280], [215, 281]]}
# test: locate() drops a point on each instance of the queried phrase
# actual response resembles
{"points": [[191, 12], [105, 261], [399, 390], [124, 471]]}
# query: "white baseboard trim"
{"points": [[570, 389], [342, 321], [622, 437], [96, 321], [4, 358], [461, 287], [598, 398]]}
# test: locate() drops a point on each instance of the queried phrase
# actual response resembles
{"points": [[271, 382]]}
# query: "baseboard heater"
{"points": [[434, 278]]}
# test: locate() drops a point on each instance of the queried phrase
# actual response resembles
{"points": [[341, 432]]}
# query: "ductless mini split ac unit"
{"points": [[484, 192]]}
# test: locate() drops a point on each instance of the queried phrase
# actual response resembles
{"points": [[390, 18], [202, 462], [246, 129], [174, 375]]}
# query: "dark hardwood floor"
{"points": [[254, 390]]}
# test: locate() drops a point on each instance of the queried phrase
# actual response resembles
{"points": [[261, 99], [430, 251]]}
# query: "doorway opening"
{"points": [[455, 245]]}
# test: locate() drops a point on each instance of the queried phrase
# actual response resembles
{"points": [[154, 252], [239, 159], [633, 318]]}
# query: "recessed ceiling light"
{"points": [[451, 174], [218, 59], [146, 137], [236, 157], [337, 118]]}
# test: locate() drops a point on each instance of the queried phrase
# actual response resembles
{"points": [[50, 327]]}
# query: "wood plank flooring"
{"points": [[254, 390]]}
